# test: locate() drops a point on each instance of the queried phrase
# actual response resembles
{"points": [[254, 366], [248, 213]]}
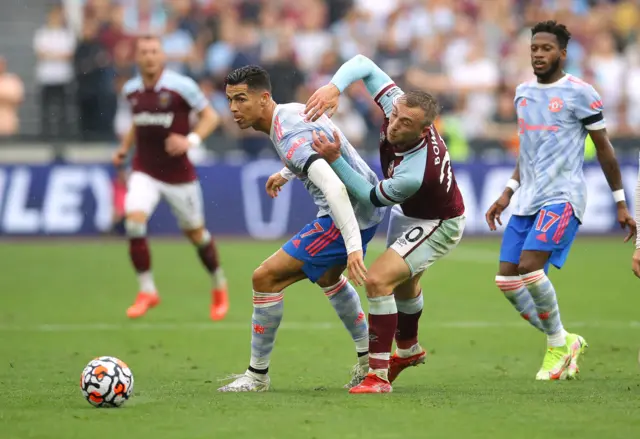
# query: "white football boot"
{"points": [[247, 382]]}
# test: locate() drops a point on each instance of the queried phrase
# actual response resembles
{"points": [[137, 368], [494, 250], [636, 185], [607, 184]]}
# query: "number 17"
{"points": [[552, 218]]}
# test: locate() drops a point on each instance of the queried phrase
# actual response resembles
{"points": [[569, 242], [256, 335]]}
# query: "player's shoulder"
{"points": [[176, 82], [292, 111], [579, 86], [132, 85], [523, 87]]}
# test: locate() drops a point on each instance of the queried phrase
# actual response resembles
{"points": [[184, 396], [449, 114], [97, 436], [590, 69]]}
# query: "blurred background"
{"points": [[63, 63]]}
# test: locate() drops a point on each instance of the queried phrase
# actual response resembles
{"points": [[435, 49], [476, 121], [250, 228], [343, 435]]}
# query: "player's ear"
{"points": [[264, 99]]}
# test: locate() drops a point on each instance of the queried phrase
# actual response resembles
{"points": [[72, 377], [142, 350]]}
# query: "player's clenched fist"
{"points": [[324, 100], [119, 157], [176, 144], [496, 209], [274, 184], [356, 268]]}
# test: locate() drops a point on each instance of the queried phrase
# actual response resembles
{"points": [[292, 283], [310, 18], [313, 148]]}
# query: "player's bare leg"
{"points": [[346, 302], [563, 349], [387, 272], [511, 284], [208, 253], [409, 302], [136, 227]]}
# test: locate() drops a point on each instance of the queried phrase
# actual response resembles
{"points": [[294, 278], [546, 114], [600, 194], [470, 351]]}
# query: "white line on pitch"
{"points": [[296, 326]]}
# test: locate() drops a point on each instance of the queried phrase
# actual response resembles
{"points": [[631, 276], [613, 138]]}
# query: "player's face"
{"points": [[150, 56], [406, 125], [546, 55], [245, 105]]}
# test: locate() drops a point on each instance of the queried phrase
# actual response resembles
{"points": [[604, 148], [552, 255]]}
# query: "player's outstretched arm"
{"points": [[609, 164], [325, 99], [277, 180], [388, 192], [321, 174]]}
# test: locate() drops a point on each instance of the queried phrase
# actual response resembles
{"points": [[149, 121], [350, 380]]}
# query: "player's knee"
{"points": [[376, 286], [262, 279], [198, 236], [136, 226], [528, 266]]}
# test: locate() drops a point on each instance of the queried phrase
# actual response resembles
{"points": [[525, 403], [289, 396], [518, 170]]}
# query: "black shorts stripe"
{"points": [[423, 239]]}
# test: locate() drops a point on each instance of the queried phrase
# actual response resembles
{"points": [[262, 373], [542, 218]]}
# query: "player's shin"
{"points": [[544, 297], [520, 297], [346, 302], [383, 320], [140, 255], [208, 254], [409, 312], [267, 315]]}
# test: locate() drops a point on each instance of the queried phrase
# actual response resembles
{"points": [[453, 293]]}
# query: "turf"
{"points": [[63, 303]]}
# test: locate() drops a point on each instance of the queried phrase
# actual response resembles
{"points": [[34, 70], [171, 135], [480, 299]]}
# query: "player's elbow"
{"points": [[336, 192], [361, 59]]}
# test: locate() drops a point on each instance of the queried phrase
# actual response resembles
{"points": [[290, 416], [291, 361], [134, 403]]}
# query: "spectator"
{"points": [[11, 96], [54, 45], [90, 61], [178, 45], [144, 17]]}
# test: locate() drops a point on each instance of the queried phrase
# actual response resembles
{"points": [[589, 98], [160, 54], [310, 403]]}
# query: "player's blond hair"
{"points": [[425, 101]]}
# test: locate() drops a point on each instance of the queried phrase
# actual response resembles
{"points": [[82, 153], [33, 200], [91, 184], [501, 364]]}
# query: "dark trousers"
{"points": [[53, 112]]}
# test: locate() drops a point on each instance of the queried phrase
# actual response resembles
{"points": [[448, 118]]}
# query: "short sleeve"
{"points": [[191, 93], [588, 108], [298, 152], [386, 97]]}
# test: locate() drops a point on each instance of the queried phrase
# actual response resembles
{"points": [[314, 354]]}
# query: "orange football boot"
{"points": [[398, 364], [144, 302], [372, 384], [219, 303]]}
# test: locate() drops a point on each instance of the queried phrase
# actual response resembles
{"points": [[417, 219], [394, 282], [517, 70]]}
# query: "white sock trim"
{"points": [[333, 289], [265, 300], [146, 283], [382, 305], [533, 277], [411, 306]]}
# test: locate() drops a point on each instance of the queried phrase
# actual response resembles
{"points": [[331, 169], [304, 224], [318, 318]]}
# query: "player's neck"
{"points": [[555, 77], [264, 123], [407, 146], [150, 81]]}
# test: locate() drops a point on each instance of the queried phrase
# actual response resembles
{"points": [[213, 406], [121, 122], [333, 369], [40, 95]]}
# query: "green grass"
{"points": [[63, 303]]}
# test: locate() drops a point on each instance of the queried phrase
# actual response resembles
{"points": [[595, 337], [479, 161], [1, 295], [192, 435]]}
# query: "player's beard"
{"points": [[553, 68]]}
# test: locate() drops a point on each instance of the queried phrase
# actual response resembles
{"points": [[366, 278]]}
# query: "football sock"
{"points": [[267, 315], [520, 297], [141, 261], [346, 302], [383, 320], [409, 312], [544, 296], [208, 254]]}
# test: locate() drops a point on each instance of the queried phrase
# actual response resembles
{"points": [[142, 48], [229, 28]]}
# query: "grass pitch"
{"points": [[63, 303]]}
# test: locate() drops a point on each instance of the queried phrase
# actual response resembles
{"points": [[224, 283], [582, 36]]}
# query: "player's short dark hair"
{"points": [[255, 77], [147, 37], [553, 27], [424, 100]]}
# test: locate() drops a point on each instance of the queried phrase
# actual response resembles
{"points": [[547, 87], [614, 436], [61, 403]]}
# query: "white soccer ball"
{"points": [[106, 382]]}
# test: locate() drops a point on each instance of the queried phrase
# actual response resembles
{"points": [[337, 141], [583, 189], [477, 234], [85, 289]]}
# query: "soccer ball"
{"points": [[106, 382]]}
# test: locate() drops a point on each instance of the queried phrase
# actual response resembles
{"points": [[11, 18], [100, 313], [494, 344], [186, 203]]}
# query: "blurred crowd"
{"points": [[470, 53]]}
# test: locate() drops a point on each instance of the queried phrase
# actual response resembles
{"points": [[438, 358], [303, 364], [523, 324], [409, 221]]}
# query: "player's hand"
{"points": [[635, 262], [356, 268], [626, 220], [119, 157], [493, 214], [330, 151], [323, 101], [274, 184], [176, 144]]}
